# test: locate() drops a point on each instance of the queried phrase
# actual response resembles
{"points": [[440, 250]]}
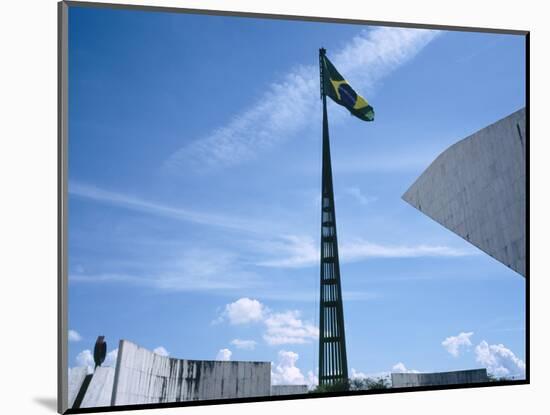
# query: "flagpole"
{"points": [[325, 134], [333, 368]]}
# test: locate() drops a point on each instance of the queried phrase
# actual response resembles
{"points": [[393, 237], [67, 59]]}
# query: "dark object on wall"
{"points": [[100, 351]]}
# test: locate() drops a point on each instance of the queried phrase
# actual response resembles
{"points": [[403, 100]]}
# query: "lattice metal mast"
{"points": [[333, 365]]}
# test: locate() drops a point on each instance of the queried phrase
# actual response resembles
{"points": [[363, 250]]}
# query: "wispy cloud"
{"points": [[215, 269], [358, 195], [294, 252], [244, 344], [97, 194], [359, 249], [302, 251], [291, 104], [197, 270], [288, 328]]}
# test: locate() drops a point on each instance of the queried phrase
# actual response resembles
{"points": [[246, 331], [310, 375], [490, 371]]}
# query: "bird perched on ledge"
{"points": [[100, 351]]}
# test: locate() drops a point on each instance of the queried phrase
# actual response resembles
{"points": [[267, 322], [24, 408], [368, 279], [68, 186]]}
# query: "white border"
{"points": [[28, 180]]}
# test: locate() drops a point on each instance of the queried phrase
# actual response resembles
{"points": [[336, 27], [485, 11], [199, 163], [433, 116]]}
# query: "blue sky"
{"points": [[194, 181]]}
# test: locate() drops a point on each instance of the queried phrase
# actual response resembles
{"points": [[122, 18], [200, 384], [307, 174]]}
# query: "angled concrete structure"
{"points": [[477, 189], [100, 389], [142, 376], [75, 381], [402, 380]]}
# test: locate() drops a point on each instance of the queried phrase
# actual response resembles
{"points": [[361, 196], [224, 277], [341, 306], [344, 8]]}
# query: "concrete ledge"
{"points": [[76, 378], [402, 380], [100, 389], [288, 389], [145, 377]]}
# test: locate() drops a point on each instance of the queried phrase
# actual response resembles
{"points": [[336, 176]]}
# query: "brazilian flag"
{"points": [[336, 87]]}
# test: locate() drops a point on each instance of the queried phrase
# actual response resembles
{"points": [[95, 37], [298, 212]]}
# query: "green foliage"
{"points": [[369, 383], [336, 387], [355, 384]]}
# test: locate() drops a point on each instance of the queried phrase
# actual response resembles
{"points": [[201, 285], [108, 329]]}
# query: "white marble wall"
{"points": [[100, 389], [145, 377], [401, 380], [76, 378]]}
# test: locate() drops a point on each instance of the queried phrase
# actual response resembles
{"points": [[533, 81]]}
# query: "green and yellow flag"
{"points": [[336, 87]]}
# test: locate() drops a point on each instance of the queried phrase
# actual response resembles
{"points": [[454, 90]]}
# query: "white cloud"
{"points": [[110, 359], [356, 193], [453, 344], [86, 359], [291, 104], [243, 311], [302, 251], [355, 374], [280, 327], [161, 351], [288, 328], [499, 360], [74, 336], [224, 354], [311, 380], [244, 344], [401, 368], [287, 373]]}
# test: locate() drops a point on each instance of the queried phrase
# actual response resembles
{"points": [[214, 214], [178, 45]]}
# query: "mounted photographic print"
{"points": [[258, 207]]}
